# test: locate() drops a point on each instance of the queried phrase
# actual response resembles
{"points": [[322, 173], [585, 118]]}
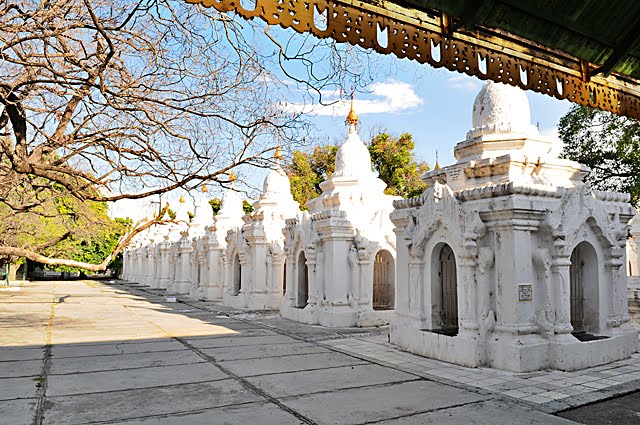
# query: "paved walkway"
{"points": [[87, 353]]}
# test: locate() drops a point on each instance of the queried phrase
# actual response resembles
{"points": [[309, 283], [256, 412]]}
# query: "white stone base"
{"points": [[633, 299], [182, 287], [523, 353], [263, 300], [336, 316], [213, 293], [235, 301]]}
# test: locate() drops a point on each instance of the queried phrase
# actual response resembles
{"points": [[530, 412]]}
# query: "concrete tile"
{"points": [[306, 382], [122, 347], [122, 405], [301, 362], [483, 413], [537, 399], [11, 353], [381, 402], [262, 351], [122, 361], [11, 388], [257, 413], [131, 379], [15, 369], [17, 412], [264, 337]]}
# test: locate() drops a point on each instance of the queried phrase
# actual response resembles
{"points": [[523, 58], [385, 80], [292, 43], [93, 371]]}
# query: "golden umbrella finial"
{"points": [[352, 117], [205, 189], [232, 177], [182, 199], [278, 153]]}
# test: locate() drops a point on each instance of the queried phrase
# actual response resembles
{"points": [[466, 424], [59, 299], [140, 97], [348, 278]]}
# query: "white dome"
{"points": [[500, 108], [353, 159], [203, 214], [231, 203], [276, 183]]}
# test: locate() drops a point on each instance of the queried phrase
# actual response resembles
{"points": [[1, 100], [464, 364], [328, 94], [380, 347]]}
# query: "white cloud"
{"points": [[463, 82], [388, 97]]}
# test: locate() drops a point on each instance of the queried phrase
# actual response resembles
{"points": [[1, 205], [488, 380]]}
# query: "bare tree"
{"points": [[109, 99]]}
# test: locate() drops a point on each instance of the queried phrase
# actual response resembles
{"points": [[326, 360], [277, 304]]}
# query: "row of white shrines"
{"points": [[507, 260]]}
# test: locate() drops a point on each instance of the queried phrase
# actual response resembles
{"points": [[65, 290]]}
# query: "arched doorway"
{"points": [[236, 275], [583, 291], [448, 283], [303, 280], [383, 281], [284, 277]]}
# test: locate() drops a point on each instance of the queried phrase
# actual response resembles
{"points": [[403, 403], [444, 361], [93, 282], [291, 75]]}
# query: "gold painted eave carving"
{"points": [[487, 54]]}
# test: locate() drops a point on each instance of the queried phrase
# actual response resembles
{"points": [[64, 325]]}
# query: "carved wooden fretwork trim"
{"points": [[484, 53]]}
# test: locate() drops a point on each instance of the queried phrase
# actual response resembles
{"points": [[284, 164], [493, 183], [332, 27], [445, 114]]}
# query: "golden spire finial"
{"points": [[232, 177], [182, 199], [352, 117], [278, 153], [437, 166], [205, 189]]}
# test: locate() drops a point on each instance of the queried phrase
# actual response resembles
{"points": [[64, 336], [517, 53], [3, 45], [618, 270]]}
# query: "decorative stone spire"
{"points": [[437, 166], [352, 118], [277, 155]]}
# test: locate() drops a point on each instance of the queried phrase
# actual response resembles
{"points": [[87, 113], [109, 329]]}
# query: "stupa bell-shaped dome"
{"points": [[500, 108], [276, 183], [352, 158], [231, 203]]}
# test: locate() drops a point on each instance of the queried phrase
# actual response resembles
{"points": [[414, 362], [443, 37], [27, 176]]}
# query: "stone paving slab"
{"points": [[118, 356], [550, 391], [246, 414], [17, 412], [82, 383], [169, 399], [19, 368], [115, 347], [360, 405], [240, 340], [122, 361], [246, 352], [483, 413], [11, 354], [12, 388], [268, 365], [322, 380]]}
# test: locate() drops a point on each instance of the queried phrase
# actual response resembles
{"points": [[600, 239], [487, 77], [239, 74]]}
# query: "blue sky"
{"points": [[434, 105]]}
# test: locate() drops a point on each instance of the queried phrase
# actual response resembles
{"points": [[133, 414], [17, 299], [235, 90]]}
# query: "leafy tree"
{"points": [[247, 207], [109, 100], [216, 204], [395, 162], [307, 170], [609, 144], [392, 157]]}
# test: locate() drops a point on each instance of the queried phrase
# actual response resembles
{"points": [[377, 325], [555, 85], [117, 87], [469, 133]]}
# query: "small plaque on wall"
{"points": [[525, 293]]}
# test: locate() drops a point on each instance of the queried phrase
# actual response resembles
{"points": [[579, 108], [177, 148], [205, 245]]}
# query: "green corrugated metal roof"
{"points": [[591, 30]]}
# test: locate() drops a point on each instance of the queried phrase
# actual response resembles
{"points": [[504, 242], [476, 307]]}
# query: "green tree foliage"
{"points": [[307, 170], [392, 157], [62, 226], [216, 204], [247, 207], [395, 162], [609, 144]]}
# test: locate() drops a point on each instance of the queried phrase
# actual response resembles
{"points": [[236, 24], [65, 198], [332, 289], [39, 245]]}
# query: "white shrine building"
{"points": [[341, 253], [508, 259], [253, 261]]}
